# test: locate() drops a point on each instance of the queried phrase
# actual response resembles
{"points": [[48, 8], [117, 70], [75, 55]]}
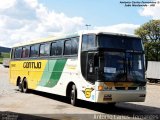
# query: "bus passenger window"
{"points": [[59, 48], [84, 42], [53, 49], [44, 49], [18, 52], [67, 47], [56, 48], [88, 42], [74, 45], [34, 50], [25, 51], [91, 41]]}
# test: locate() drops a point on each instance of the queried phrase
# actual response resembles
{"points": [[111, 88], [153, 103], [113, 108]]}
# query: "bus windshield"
{"points": [[123, 58], [120, 66]]}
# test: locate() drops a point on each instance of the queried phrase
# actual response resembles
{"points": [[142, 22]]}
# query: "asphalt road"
{"points": [[37, 105]]}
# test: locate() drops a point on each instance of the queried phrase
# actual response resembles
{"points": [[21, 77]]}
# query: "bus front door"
{"points": [[92, 64]]}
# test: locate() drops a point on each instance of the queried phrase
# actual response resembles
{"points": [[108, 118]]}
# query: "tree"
{"points": [[150, 35]]}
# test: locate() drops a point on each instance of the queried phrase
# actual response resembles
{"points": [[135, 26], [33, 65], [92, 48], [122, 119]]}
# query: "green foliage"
{"points": [[150, 31], [150, 35], [1, 59], [152, 51], [4, 55]]}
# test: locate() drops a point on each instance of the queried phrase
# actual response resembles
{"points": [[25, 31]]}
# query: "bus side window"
{"points": [[59, 47], [34, 50], [25, 51], [84, 42], [56, 48], [88, 42], [71, 46], [67, 47], [74, 45], [44, 49], [53, 48], [18, 52]]}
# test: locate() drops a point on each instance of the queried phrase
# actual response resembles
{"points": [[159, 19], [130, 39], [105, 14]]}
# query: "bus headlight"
{"points": [[100, 88]]}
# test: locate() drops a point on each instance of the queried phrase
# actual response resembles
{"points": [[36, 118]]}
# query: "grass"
{"points": [[1, 59], [4, 55]]}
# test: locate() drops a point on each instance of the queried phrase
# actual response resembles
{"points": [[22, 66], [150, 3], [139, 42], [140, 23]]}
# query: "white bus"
{"points": [[91, 66]]}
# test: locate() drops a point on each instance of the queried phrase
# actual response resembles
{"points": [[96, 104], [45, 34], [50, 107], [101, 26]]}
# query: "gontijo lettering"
{"points": [[32, 65]]}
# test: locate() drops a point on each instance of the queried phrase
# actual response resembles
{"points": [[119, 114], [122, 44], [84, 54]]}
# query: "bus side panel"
{"points": [[35, 74], [86, 90], [53, 76], [52, 81], [61, 73], [16, 70], [28, 69]]}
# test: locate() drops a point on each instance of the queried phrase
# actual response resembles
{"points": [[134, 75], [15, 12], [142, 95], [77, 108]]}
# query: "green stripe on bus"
{"points": [[56, 73], [47, 72]]}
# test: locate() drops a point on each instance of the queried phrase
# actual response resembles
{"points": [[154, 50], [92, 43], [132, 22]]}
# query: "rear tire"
{"points": [[25, 86], [20, 88], [73, 95]]}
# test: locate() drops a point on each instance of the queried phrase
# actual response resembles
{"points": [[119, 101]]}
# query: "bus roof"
{"points": [[65, 36]]}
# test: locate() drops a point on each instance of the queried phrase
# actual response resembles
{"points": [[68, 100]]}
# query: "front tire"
{"points": [[112, 104], [156, 81], [73, 95]]}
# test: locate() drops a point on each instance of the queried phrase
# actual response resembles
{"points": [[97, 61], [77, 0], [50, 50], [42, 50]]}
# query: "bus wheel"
{"points": [[25, 86], [156, 81], [20, 88], [73, 95]]}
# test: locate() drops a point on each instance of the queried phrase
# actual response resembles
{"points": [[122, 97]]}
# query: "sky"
{"points": [[26, 20]]}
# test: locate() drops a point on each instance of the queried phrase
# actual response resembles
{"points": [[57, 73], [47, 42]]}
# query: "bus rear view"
{"points": [[115, 64]]}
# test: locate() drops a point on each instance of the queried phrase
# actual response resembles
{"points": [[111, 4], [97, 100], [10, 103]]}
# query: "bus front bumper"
{"points": [[120, 96]]}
